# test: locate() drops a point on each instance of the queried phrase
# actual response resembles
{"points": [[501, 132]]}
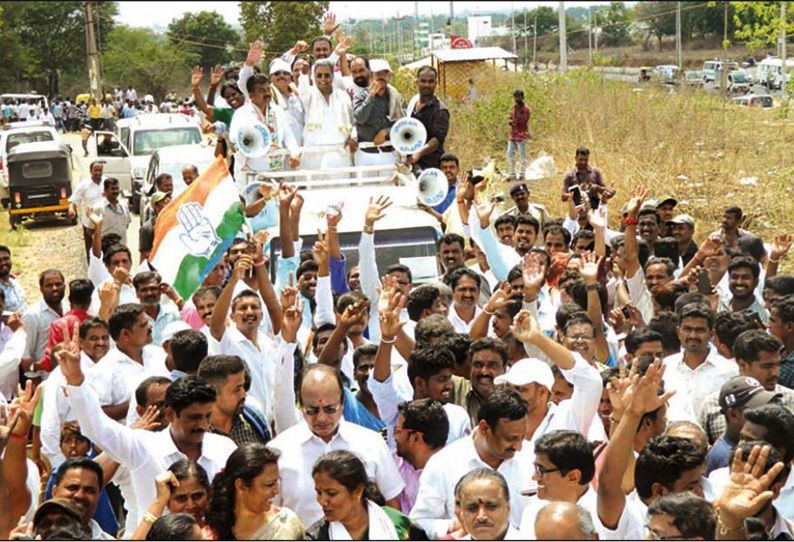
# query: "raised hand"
{"points": [[617, 320], [164, 482], [259, 241], [484, 210], [242, 266], [9, 416], [344, 45], [590, 268], [619, 389], [534, 274], [333, 219], [375, 210], [638, 195], [197, 76], [95, 217], [645, 397], [635, 316], [216, 75], [199, 236], [597, 218], [747, 490], [389, 318], [526, 327], [780, 247], [286, 193], [320, 250], [300, 47], [499, 299], [330, 25], [353, 314], [289, 293], [150, 419], [254, 53], [291, 320], [67, 354], [15, 322]]}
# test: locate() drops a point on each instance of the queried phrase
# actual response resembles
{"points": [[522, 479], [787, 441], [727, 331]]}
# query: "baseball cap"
{"points": [[649, 204], [519, 186], [279, 65], [379, 65], [157, 197], [173, 328], [683, 219], [527, 371], [58, 504], [666, 199], [744, 391]]}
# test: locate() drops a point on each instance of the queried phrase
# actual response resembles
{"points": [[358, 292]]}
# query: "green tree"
{"points": [[656, 18], [759, 23], [614, 21], [141, 58], [12, 53], [280, 24], [207, 34]]}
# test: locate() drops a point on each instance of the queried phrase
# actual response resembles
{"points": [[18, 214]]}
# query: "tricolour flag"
{"points": [[194, 230]]}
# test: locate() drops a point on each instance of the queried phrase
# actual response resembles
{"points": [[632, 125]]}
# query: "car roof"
{"points": [[30, 126], [158, 120], [41, 149]]}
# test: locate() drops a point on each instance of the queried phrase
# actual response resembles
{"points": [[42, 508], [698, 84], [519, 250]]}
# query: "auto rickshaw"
{"points": [[645, 74], [39, 181]]}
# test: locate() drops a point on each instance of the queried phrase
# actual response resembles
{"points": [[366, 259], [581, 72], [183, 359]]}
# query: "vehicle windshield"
{"points": [[148, 141], [174, 169], [27, 137]]}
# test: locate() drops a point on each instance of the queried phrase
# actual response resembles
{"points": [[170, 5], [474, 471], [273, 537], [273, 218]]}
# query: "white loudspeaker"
{"points": [[253, 140], [432, 187], [408, 135]]}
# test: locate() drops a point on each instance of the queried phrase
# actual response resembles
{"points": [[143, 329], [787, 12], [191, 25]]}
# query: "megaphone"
{"points": [[253, 140], [432, 187], [408, 135]]}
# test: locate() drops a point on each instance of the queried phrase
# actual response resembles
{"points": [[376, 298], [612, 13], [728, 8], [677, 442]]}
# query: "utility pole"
{"points": [[526, 28], [535, 40], [432, 28], [513, 27], [563, 40], [451, 16], [678, 34], [595, 33], [94, 80], [783, 41], [416, 37], [589, 37]]}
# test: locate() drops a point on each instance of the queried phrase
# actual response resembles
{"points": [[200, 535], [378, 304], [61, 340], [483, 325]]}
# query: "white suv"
{"points": [[134, 141]]}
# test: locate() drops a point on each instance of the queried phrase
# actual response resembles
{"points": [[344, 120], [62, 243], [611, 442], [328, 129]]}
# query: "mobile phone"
{"points": [[625, 311], [576, 194], [474, 178], [704, 283]]}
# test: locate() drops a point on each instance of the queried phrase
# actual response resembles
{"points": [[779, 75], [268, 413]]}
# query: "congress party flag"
{"points": [[194, 230]]}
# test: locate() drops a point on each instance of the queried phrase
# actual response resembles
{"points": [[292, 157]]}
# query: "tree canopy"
{"points": [[280, 24], [207, 34]]}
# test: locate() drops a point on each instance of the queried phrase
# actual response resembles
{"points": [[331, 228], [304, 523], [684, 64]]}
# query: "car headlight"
{"points": [[139, 172]]}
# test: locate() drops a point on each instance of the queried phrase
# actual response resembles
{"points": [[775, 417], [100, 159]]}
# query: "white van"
{"points": [[769, 72], [133, 143]]}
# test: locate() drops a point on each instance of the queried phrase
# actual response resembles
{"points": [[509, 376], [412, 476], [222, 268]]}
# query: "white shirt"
{"points": [[511, 534], [258, 360], [633, 522], [588, 501], [578, 412], [114, 220], [694, 387], [300, 448], [116, 376], [37, 321], [388, 395], [12, 353], [458, 323], [640, 295], [434, 509], [55, 410], [145, 454], [87, 194]]}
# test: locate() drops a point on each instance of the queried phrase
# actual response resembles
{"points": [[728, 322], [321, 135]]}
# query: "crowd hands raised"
{"points": [[570, 381]]}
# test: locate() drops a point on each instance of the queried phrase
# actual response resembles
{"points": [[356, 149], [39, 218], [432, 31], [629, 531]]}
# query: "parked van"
{"points": [[769, 72], [712, 70]]}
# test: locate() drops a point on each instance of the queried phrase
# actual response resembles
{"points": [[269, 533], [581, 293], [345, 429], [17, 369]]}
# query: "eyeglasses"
{"points": [[406, 430], [575, 338], [327, 409], [543, 471], [286, 74]]}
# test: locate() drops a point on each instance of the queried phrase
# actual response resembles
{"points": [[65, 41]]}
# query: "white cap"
{"points": [[279, 65], [378, 65], [173, 328], [527, 371]]}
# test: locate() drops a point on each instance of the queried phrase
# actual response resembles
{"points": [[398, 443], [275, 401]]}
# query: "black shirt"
{"points": [[435, 118]]}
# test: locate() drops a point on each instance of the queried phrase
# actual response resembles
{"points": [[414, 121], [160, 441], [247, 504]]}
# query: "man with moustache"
{"points": [[434, 116], [285, 97], [37, 319], [230, 416], [482, 500], [79, 481], [149, 287], [14, 294], [488, 361]]}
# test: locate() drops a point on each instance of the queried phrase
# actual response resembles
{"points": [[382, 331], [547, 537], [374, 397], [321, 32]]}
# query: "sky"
{"points": [[159, 14]]}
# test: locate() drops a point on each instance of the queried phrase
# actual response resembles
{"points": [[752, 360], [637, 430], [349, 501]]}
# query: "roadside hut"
{"points": [[463, 71]]}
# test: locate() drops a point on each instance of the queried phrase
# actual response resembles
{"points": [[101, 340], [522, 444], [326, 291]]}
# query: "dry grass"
{"points": [[686, 144]]}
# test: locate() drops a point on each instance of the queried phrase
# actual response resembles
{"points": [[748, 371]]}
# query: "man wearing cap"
{"points": [[736, 395], [146, 234], [683, 228], [519, 135], [56, 514], [285, 96], [375, 109], [519, 193], [666, 207]]}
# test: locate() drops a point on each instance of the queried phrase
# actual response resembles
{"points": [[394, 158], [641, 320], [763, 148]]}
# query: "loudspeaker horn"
{"points": [[253, 140], [408, 135], [432, 187]]}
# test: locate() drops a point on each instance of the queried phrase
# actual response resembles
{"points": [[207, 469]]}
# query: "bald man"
{"points": [[564, 521]]}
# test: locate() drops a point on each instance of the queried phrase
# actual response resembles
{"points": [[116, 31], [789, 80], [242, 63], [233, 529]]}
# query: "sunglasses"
{"points": [[285, 74], [327, 409]]}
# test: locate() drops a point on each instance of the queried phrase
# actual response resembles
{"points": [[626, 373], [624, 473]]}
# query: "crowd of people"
{"points": [[561, 380]]}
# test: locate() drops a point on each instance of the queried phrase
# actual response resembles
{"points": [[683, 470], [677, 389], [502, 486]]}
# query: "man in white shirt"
{"points": [[465, 285], [698, 372], [145, 454], [497, 444], [149, 287], [94, 344], [12, 345], [115, 214], [117, 375], [39, 317], [483, 510], [132, 96], [323, 430], [88, 194]]}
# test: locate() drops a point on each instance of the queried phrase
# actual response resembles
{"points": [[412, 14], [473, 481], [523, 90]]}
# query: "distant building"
{"points": [[480, 26]]}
